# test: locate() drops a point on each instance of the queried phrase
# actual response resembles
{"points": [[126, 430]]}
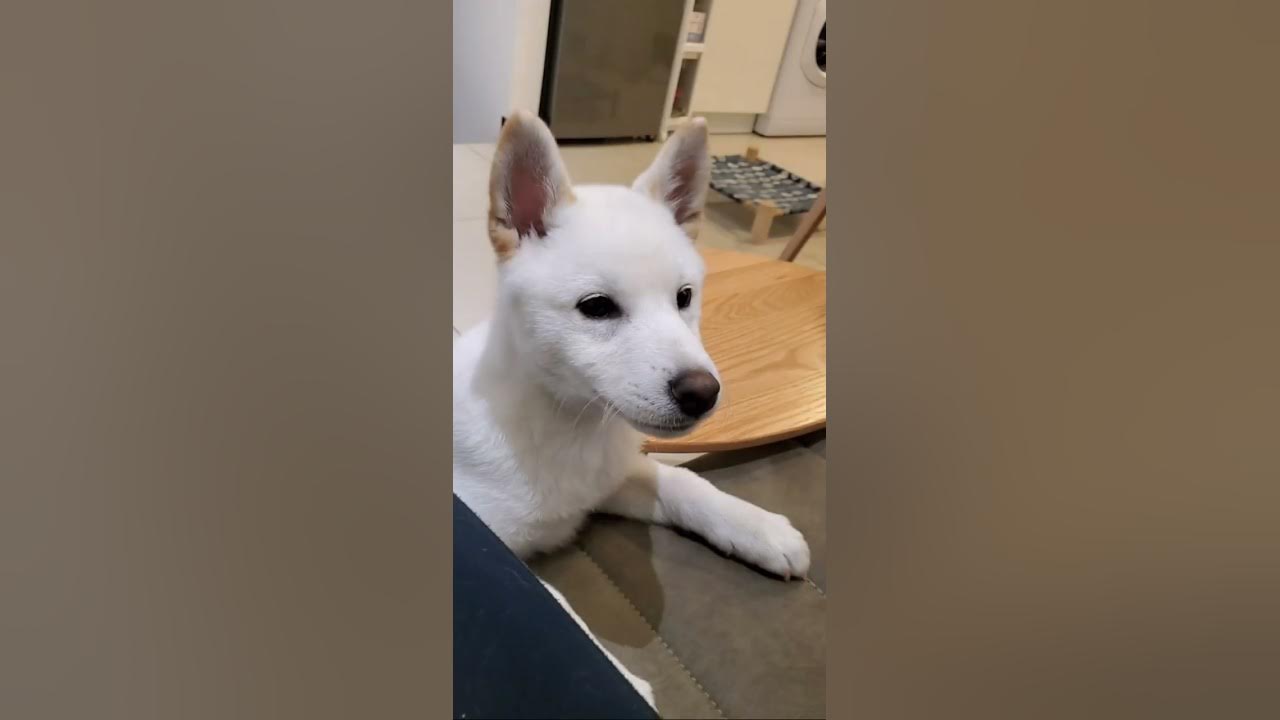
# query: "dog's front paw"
{"points": [[767, 540]]}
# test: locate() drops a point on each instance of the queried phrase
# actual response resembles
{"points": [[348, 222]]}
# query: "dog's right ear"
{"points": [[527, 183]]}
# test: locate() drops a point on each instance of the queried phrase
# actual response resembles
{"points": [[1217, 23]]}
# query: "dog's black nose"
{"points": [[695, 391]]}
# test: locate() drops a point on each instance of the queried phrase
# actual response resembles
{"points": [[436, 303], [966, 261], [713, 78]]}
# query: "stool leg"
{"points": [[765, 213], [808, 224]]}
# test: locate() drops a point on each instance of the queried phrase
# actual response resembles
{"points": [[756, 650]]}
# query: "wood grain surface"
{"points": [[764, 322]]}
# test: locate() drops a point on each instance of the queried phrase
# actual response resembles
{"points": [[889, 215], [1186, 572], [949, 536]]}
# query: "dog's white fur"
{"points": [[549, 406]]}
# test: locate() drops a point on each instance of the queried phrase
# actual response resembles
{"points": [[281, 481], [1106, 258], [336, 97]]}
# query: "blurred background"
{"points": [[613, 77]]}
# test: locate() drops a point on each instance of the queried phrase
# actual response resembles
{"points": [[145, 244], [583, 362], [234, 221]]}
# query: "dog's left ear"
{"points": [[679, 176]]}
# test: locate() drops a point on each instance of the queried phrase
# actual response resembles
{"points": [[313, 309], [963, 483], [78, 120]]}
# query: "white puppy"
{"points": [[594, 343]]}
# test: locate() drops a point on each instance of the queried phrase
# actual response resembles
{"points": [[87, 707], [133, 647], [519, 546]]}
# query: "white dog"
{"points": [[593, 345]]}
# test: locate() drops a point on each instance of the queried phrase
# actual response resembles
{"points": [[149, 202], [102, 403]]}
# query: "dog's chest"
{"points": [[529, 469], [576, 473], [535, 495], [544, 468]]}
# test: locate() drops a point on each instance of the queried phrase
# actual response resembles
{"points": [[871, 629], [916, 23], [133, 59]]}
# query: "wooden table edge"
{"points": [[679, 445]]}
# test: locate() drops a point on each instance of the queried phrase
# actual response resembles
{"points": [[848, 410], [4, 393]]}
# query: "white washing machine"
{"points": [[799, 102]]}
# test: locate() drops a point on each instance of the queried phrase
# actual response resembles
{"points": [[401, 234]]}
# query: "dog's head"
{"points": [[601, 284]]}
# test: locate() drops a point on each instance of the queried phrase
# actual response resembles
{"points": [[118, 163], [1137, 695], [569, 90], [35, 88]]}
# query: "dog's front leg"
{"points": [[675, 496]]}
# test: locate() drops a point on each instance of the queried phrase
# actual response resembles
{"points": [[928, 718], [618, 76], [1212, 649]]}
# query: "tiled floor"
{"points": [[728, 225]]}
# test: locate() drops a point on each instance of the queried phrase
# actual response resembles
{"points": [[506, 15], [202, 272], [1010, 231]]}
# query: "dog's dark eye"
{"points": [[684, 297], [598, 307]]}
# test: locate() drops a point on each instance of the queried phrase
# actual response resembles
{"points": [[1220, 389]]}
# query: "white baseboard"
{"points": [[729, 123]]}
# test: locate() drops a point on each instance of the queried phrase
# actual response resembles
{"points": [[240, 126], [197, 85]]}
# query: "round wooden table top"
{"points": [[764, 323]]}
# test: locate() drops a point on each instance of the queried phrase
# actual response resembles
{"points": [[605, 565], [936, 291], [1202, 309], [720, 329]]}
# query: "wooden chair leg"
{"points": [[808, 224], [765, 213]]}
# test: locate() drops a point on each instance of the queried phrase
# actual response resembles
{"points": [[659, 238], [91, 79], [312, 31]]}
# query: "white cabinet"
{"points": [[743, 50]]}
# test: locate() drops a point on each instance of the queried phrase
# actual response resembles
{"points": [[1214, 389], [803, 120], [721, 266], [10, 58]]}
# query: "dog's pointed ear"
{"points": [[679, 176], [527, 182]]}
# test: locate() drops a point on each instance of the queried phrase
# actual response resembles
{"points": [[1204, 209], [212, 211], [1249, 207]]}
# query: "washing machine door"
{"points": [[813, 60]]}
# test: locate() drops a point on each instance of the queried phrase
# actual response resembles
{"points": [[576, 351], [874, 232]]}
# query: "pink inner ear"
{"points": [[528, 199], [679, 197]]}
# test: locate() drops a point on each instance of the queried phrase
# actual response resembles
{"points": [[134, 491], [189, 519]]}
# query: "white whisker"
{"points": [[584, 409]]}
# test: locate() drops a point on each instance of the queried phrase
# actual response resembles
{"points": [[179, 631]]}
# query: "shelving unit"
{"points": [[693, 50], [684, 71]]}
